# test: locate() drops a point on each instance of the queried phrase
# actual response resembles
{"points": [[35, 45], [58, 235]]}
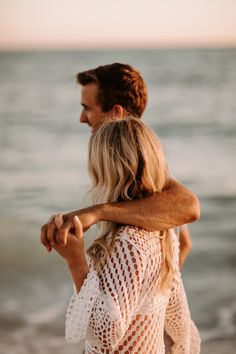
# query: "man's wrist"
{"points": [[101, 211], [95, 213]]}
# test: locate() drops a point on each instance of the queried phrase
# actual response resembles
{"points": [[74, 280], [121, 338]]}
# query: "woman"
{"points": [[128, 288]]}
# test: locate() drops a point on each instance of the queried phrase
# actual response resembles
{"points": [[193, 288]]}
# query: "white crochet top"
{"points": [[122, 309]]}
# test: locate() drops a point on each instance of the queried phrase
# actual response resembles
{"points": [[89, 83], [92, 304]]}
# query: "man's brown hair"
{"points": [[117, 84]]}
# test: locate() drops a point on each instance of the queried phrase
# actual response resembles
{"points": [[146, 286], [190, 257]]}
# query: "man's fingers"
{"points": [[59, 220], [56, 230], [51, 231], [78, 227], [52, 217], [63, 232], [49, 235], [44, 239]]}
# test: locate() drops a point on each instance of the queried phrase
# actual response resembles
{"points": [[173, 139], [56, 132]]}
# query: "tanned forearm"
{"points": [[175, 206], [78, 275]]}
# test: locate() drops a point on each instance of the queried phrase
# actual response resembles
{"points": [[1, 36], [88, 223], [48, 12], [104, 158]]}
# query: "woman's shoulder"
{"points": [[144, 239], [134, 232], [138, 237]]}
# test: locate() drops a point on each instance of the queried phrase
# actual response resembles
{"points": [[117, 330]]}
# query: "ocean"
{"points": [[43, 154]]}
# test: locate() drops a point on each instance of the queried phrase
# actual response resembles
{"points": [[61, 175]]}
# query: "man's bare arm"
{"points": [[175, 206]]}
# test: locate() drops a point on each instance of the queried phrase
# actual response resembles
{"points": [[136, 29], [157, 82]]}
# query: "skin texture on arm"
{"points": [[74, 254], [173, 207], [184, 337]]}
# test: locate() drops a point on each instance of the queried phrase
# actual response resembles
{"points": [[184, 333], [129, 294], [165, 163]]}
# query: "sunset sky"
{"points": [[58, 24]]}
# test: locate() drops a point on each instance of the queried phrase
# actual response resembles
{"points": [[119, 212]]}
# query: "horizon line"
{"points": [[118, 47]]}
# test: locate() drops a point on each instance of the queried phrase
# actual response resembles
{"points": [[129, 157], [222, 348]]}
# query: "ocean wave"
{"points": [[225, 324]]}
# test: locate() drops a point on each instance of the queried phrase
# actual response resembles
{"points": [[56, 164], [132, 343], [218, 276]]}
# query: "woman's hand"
{"points": [[73, 252], [52, 233]]}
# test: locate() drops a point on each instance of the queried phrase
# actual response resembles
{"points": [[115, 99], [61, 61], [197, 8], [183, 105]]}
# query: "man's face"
{"points": [[92, 113]]}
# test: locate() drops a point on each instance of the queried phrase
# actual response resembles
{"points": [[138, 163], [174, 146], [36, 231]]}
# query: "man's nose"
{"points": [[83, 118]]}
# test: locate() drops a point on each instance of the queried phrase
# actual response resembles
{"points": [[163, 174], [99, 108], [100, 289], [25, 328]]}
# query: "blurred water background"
{"points": [[192, 105]]}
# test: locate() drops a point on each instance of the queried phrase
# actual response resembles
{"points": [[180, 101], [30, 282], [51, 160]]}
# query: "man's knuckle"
{"points": [[42, 237], [51, 225], [43, 228], [43, 241]]}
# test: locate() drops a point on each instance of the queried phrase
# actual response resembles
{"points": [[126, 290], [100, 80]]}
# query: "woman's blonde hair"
{"points": [[126, 162]]}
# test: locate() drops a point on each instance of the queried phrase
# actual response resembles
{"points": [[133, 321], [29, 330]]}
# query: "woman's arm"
{"points": [[185, 243], [175, 206], [178, 323], [104, 306], [73, 253]]}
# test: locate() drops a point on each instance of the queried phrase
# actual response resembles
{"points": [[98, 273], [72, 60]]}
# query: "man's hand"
{"points": [[175, 206], [52, 233], [185, 243], [73, 253]]}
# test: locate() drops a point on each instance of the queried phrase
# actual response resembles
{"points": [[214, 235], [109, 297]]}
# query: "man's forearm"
{"points": [[173, 207]]}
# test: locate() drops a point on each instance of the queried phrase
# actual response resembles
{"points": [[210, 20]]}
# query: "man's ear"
{"points": [[118, 111]]}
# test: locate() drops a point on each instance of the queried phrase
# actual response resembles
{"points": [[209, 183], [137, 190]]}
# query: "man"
{"points": [[111, 92]]}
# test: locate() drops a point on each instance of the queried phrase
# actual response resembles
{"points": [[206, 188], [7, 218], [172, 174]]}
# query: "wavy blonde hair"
{"points": [[126, 162]]}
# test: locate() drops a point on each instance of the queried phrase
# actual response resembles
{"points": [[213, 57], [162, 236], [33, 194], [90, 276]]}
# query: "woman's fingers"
{"points": [[78, 227], [56, 231]]}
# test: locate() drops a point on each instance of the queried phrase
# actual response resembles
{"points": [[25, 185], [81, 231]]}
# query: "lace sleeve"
{"points": [[80, 308], [178, 324], [106, 312], [195, 340]]}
